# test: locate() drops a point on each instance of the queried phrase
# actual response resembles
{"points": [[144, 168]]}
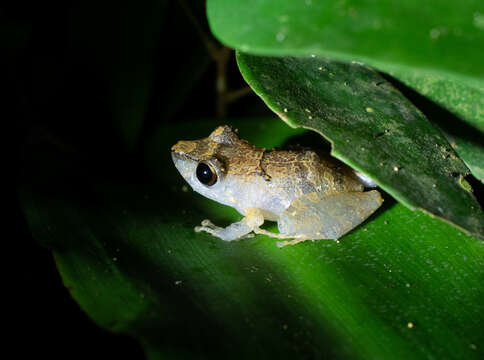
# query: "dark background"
{"points": [[71, 71]]}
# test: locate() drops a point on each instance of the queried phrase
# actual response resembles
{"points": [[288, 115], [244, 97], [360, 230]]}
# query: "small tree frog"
{"points": [[311, 195]]}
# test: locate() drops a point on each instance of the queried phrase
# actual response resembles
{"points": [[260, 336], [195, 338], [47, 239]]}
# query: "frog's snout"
{"points": [[184, 147], [174, 156]]}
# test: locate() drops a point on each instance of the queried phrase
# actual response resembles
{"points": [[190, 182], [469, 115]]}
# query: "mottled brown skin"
{"points": [[308, 170], [309, 194]]}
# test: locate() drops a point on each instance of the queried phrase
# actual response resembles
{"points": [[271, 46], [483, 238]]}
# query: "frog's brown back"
{"points": [[300, 170], [309, 170]]}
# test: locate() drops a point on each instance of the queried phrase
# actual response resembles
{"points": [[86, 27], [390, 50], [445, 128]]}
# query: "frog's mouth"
{"points": [[184, 164]]}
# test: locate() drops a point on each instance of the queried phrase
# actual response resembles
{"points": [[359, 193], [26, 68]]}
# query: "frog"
{"points": [[311, 195]]}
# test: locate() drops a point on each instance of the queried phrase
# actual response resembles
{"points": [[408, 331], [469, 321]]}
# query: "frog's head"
{"points": [[200, 161]]}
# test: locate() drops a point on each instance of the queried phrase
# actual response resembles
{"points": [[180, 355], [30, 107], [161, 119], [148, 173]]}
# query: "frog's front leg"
{"points": [[252, 220]]}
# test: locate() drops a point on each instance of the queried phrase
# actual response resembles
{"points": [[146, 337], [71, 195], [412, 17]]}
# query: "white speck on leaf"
{"points": [[478, 20], [283, 18], [434, 33], [437, 32]]}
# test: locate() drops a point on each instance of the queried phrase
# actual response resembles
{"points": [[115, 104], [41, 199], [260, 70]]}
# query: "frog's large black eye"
{"points": [[206, 175]]}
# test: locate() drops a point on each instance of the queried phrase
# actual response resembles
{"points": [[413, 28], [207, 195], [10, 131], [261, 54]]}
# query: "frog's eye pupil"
{"points": [[205, 175]]}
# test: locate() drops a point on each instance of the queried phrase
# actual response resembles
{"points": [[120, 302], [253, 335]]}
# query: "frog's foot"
{"points": [[232, 232], [207, 226], [281, 244], [207, 223], [295, 238], [260, 231]]}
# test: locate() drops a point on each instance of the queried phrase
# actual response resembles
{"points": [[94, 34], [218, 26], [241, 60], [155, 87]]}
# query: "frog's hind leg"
{"points": [[295, 238], [318, 216], [281, 236]]}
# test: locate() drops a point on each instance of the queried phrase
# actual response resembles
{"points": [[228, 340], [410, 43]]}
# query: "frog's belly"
{"points": [[271, 208], [255, 192], [269, 214], [269, 200]]}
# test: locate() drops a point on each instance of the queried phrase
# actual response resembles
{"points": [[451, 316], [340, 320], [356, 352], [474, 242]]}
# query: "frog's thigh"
{"points": [[319, 216]]}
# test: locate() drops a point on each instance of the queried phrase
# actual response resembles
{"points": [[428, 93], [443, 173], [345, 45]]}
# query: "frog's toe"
{"points": [[203, 228], [301, 238], [208, 223], [211, 229], [281, 244]]}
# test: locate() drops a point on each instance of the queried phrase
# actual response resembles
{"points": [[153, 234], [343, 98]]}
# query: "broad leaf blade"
{"points": [[372, 127], [457, 109], [128, 253], [435, 36], [473, 155], [434, 48]]}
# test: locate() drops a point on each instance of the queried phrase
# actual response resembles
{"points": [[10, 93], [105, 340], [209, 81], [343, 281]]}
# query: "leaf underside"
{"points": [[425, 46], [372, 128]]}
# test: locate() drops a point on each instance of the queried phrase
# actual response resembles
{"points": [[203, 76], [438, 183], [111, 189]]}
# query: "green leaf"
{"points": [[400, 286], [430, 46], [472, 152], [372, 128], [431, 36], [458, 110]]}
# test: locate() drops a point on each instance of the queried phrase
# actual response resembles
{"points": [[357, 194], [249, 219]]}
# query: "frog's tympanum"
{"points": [[311, 195]]}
